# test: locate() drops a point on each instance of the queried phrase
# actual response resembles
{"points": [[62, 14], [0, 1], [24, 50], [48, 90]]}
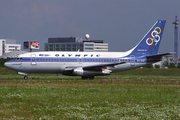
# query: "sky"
{"points": [[120, 23]]}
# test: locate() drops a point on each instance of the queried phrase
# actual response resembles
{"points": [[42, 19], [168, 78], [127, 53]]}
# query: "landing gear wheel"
{"points": [[84, 77], [88, 77], [25, 77], [91, 77]]}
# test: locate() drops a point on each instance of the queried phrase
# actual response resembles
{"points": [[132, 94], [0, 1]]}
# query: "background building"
{"points": [[166, 60], [75, 44], [2, 46], [170, 59], [8, 45], [12, 54]]}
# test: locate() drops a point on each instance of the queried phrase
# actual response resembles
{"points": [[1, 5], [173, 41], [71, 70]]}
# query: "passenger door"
{"points": [[33, 59], [132, 60]]}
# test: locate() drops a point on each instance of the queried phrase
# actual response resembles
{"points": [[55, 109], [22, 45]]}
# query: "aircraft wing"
{"points": [[160, 55], [99, 67]]}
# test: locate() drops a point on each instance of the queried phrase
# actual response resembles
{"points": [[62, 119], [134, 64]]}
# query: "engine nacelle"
{"points": [[81, 72], [78, 72]]}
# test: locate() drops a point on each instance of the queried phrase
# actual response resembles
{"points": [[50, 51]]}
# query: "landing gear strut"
{"points": [[25, 75]]}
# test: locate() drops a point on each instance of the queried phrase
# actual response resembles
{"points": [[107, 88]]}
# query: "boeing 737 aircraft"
{"points": [[90, 64]]}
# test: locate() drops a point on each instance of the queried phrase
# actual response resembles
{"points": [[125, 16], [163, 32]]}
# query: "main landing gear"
{"points": [[88, 77]]}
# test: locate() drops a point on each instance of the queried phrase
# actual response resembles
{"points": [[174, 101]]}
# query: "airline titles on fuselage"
{"points": [[71, 55]]}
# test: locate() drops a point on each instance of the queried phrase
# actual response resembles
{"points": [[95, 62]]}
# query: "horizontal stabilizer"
{"points": [[160, 55]]}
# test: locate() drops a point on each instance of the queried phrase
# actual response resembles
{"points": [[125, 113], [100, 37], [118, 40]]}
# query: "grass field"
{"points": [[136, 94]]}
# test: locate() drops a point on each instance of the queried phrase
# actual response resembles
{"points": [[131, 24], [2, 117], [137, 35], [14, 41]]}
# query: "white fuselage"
{"points": [[56, 62]]}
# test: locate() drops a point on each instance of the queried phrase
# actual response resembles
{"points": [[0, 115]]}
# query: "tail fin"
{"points": [[149, 45]]}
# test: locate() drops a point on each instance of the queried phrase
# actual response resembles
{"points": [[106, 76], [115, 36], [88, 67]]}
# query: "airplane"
{"points": [[90, 64]]}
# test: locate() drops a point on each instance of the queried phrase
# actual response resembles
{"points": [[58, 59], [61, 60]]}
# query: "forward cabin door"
{"points": [[33, 59]]}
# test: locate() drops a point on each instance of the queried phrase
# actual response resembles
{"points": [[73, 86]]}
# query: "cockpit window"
{"points": [[18, 58]]}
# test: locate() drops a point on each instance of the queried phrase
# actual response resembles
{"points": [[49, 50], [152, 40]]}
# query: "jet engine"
{"points": [[81, 72]]}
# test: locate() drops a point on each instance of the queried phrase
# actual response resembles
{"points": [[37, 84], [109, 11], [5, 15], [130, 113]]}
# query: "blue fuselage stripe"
{"points": [[75, 59]]}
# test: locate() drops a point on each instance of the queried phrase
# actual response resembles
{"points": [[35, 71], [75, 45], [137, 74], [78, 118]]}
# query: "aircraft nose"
{"points": [[7, 64]]}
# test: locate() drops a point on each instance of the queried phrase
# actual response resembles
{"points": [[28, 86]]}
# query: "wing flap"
{"points": [[99, 67]]}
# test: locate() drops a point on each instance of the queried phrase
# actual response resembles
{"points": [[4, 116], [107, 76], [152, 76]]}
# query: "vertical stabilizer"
{"points": [[149, 45]]}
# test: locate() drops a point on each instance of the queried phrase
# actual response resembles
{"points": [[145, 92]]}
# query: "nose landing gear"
{"points": [[25, 77]]}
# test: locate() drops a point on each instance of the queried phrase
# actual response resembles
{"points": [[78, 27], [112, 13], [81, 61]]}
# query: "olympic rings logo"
{"points": [[154, 37]]}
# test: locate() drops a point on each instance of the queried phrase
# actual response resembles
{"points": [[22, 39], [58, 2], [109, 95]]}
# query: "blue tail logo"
{"points": [[149, 45], [154, 37]]}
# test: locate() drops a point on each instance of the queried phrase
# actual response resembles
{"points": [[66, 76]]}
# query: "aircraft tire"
{"points": [[91, 77], [88, 77], [25, 77], [84, 77]]}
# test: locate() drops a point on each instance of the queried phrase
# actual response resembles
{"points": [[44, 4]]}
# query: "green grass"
{"points": [[83, 99], [146, 73], [135, 95]]}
